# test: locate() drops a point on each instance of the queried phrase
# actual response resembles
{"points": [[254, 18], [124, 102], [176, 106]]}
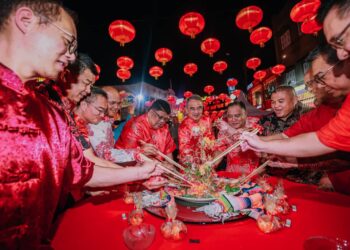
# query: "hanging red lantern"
{"points": [[232, 82], [237, 92], [191, 24], [278, 69], [98, 69], [209, 99], [304, 10], [259, 75], [311, 26], [222, 96], [125, 62], [123, 74], [228, 100], [220, 66], [188, 94], [253, 63], [208, 89], [213, 115], [171, 99], [249, 17], [221, 113], [156, 72], [163, 55], [260, 36], [210, 46], [190, 69], [122, 31]]}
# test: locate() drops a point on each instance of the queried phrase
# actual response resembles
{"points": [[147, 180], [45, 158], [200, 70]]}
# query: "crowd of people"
{"points": [[57, 135]]}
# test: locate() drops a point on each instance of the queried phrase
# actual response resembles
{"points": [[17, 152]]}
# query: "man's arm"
{"points": [[90, 155], [278, 136]]}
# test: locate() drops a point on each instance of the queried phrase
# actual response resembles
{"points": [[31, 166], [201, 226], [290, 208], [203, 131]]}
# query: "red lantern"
{"points": [[232, 82], [163, 55], [191, 24], [304, 10], [188, 94], [278, 69], [214, 115], [237, 92], [208, 89], [98, 69], [253, 63], [260, 36], [125, 62], [209, 99], [222, 97], [171, 99], [310, 26], [122, 31], [259, 75], [123, 74], [249, 17], [220, 66], [210, 46], [190, 68], [156, 72]]}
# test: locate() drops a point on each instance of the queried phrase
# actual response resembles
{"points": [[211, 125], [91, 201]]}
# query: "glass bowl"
{"points": [[139, 237]]}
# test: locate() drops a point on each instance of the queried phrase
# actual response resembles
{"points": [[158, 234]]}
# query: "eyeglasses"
{"points": [[72, 44], [338, 41], [99, 110], [161, 118], [319, 77]]}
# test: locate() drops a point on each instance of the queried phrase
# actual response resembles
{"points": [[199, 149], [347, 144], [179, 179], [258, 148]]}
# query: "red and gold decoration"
{"points": [[123, 74], [122, 31], [125, 62], [163, 55], [260, 36], [232, 82], [249, 17], [222, 97], [236, 92], [253, 63], [191, 24], [210, 46], [278, 69], [156, 72], [311, 26], [304, 10], [209, 89], [220, 66], [188, 94], [259, 75], [190, 69]]}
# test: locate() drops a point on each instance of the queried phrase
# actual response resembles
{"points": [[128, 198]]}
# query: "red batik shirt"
{"points": [[196, 141], [39, 162], [138, 128]]}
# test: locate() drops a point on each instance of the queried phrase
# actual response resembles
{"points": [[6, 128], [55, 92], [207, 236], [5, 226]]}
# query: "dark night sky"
{"points": [[156, 24]]}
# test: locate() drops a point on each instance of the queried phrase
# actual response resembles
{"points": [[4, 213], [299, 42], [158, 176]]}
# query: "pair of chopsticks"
{"points": [[256, 171], [229, 149]]}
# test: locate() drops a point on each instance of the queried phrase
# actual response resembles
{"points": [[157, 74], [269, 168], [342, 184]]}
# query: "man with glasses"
{"points": [[149, 131], [196, 137]]}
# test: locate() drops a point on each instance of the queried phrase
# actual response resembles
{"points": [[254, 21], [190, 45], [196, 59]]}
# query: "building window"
{"points": [[285, 39]]}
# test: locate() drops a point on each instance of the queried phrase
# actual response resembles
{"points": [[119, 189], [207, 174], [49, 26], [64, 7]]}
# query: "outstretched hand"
{"points": [[252, 141]]}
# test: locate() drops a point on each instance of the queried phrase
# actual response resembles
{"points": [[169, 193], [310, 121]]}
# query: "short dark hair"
{"points": [[285, 88], [161, 105], [193, 97], [323, 50], [93, 95], [82, 63], [343, 8], [237, 103]]}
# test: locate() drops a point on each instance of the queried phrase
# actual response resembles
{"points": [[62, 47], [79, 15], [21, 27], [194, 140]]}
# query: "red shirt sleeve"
{"points": [[336, 134]]}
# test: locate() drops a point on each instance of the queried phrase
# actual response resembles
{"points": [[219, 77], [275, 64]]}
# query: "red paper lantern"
{"points": [[253, 63], [188, 94], [220, 66], [156, 72], [304, 10], [278, 69], [259, 75], [123, 74], [260, 36], [232, 82], [249, 17], [210, 46], [163, 55], [98, 69], [311, 26], [191, 24], [237, 92], [125, 62], [122, 31], [190, 69], [222, 96], [171, 99], [208, 89]]}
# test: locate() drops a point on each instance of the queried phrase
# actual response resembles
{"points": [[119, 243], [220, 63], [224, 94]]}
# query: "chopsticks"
{"points": [[256, 171], [229, 149]]}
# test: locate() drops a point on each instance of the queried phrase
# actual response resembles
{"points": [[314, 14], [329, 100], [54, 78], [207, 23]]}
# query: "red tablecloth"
{"points": [[97, 224]]}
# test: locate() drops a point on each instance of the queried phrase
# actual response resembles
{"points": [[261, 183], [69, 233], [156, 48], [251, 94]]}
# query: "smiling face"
{"points": [[283, 103], [236, 116], [94, 111], [81, 86], [194, 109]]}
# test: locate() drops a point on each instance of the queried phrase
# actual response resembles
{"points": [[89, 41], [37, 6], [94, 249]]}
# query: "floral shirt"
{"points": [[196, 141]]}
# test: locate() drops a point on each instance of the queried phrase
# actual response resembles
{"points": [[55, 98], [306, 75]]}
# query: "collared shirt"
{"points": [[39, 162]]}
